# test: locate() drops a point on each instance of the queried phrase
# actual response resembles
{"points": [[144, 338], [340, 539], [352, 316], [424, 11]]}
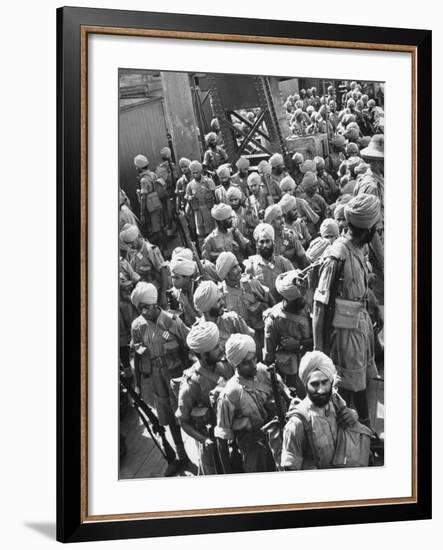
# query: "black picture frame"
{"points": [[72, 526]]}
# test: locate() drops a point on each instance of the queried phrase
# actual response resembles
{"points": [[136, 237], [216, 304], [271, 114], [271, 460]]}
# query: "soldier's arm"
{"points": [[223, 430], [321, 301], [272, 339], [185, 405]]}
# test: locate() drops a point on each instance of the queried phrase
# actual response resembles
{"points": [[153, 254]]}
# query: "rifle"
{"points": [[330, 308], [150, 420], [281, 417], [189, 242]]}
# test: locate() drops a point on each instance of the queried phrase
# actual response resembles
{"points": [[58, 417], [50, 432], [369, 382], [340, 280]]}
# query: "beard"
{"points": [[320, 400], [279, 170], [216, 311], [295, 305], [291, 217], [266, 253], [369, 235]]}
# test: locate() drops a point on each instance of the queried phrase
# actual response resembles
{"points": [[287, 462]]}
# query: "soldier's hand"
{"points": [[346, 417]]}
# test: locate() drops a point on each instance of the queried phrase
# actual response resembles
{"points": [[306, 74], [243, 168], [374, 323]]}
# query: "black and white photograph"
{"points": [[251, 273]]}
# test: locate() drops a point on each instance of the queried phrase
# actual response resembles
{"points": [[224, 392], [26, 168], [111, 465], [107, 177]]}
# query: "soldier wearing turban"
{"points": [[327, 187], [248, 391], [180, 297], [159, 340], [146, 259], [199, 387], [167, 173], [224, 236], [240, 178], [297, 162], [315, 201], [288, 330], [182, 182], [200, 195], [208, 300], [270, 183], [214, 155], [353, 339], [323, 410], [224, 182]]}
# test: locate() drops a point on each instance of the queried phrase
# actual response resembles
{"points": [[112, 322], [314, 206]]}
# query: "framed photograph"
{"points": [[236, 199]]}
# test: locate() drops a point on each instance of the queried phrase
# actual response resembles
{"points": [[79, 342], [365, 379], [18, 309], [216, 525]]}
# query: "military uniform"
{"points": [[351, 349], [162, 350], [213, 158], [201, 197], [280, 324], [244, 406], [153, 193], [327, 187], [241, 182], [197, 386], [147, 262], [267, 271], [218, 242], [287, 244]]}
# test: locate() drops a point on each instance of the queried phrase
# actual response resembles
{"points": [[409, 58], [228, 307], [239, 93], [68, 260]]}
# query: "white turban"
{"points": [[195, 165], [287, 203], [287, 184], [141, 161], [316, 361], [203, 337], [363, 211], [206, 296], [276, 160], [223, 170], [165, 152], [264, 229], [183, 253], [329, 226], [129, 233], [144, 293], [237, 348], [284, 284], [316, 248], [181, 266], [254, 177], [242, 163], [264, 167], [234, 191], [225, 262], [272, 212], [210, 136], [184, 162], [221, 211]]}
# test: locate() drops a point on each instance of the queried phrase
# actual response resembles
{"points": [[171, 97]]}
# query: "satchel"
{"points": [[353, 446], [346, 314], [153, 202]]}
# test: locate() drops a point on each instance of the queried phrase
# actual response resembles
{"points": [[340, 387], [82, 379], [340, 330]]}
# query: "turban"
{"points": [[353, 124], [264, 229], [225, 262], [287, 184], [352, 133], [298, 112], [319, 162], [223, 170], [203, 336], [165, 152], [184, 162], [338, 141], [221, 211], [206, 296], [211, 135], [364, 141], [237, 348], [215, 125], [309, 181], [316, 248], [182, 253], [352, 149], [287, 203], [234, 191], [284, 284], [363, 211], [308, 166], [329, 226], [141, 161], [316, 361], [129, 233], [182, 266], [145, 293], [242, 163], [339, 210], [350, 103], [353, 162], [272, 212], [264, 167], [276, 160], [254, 177], [195, 165], [297, 157]]}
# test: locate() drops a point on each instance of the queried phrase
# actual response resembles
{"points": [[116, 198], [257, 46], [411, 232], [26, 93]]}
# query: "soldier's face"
{"points": [[253, 186], [248, 367], [278, 223], [330, 236], [185, 169], [179, 281], [292, 215], [212, 142], [215, 354], [224, 180], [136, 244], [234, 202], [149, 311], [243, 172], [234, 275], [265, 247], [217, 309], [279, 169], [196, 173], [319, 389], [341, 222], [225, 224]]}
